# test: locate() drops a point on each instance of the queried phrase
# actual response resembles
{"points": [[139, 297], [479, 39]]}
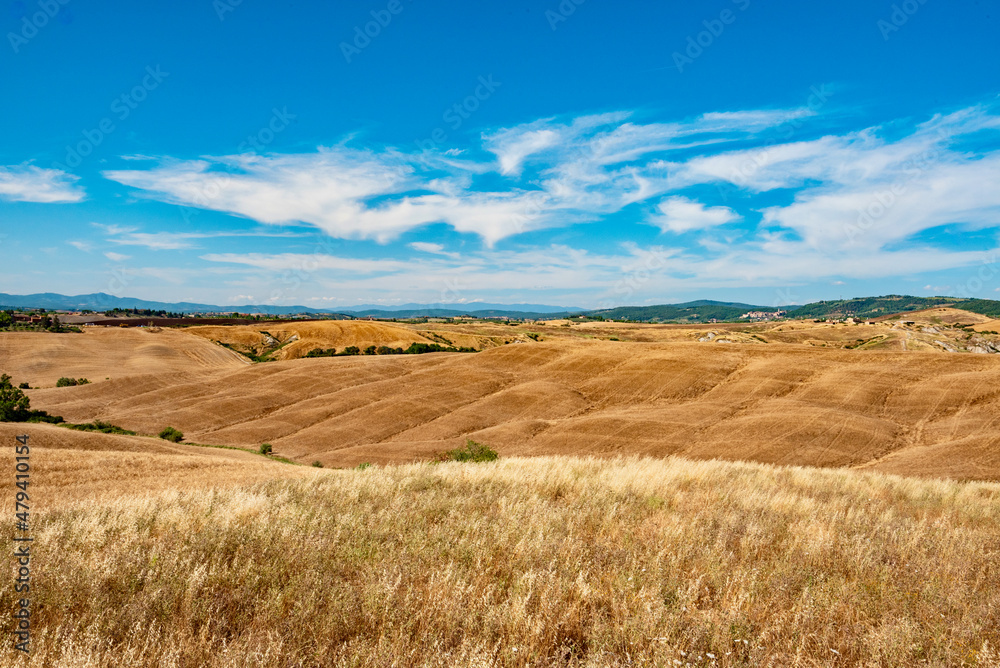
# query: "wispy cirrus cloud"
{"points": [[29, 183], [366, 194], [848, 203], [131, 236]]}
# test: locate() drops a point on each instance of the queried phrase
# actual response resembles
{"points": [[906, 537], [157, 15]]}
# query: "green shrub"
{"points": [[266, 449], [108, 428], [472, 452], [172, 435], [71, 382], [318, 464], [24, 386], [42, 416], [363, 466]]}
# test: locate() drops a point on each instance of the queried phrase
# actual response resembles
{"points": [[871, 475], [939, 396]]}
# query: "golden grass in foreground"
{"points": [[548, 561]]}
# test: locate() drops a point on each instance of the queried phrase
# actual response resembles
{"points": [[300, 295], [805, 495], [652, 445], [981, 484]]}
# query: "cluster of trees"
{"points": [[141, 312], [71, 382], [414, 349], [101, 427], [16, 407], [47, 323]]}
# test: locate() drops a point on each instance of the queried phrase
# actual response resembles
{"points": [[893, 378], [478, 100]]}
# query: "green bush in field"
{"points": [[106, 428], [266, 449], [172, 435], [71, 382], [472, 452]]}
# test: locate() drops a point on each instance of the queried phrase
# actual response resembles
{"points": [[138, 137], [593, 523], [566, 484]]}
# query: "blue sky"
{"points": [[581, 153]]}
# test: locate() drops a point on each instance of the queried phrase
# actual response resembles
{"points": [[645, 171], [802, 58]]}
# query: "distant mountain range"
{"points": [[695, 311], [103, 302], [464, 307]]}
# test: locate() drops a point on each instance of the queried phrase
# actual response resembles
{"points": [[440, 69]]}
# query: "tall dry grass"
{"points": [[537, 562]]}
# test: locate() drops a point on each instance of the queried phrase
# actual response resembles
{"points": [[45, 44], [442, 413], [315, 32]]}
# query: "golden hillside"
{"points": [[294, 340], [71, 465], [923, 413]]}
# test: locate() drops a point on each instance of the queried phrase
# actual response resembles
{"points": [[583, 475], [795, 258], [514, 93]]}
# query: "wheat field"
{"points": [[908, 413], [549, 561]]}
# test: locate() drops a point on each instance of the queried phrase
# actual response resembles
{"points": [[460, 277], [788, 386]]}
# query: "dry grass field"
{"points": [[72, 465], [637, 545], [523, 562]]}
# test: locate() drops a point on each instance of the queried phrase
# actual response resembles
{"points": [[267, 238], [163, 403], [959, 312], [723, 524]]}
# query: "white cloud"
{"points": [[680, 214], [556, 172], [28, 183], [427, 247], [512, 148], [435, 249], [157, 240], [308, 263], [116, 257], [84, 246]]}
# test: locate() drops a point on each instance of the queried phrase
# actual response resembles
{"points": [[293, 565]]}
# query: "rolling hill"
{"points": [[916, 413], [696, 311]]}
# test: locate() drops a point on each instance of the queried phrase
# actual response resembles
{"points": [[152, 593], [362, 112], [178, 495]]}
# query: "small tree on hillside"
{"points": [[14, 406]]}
